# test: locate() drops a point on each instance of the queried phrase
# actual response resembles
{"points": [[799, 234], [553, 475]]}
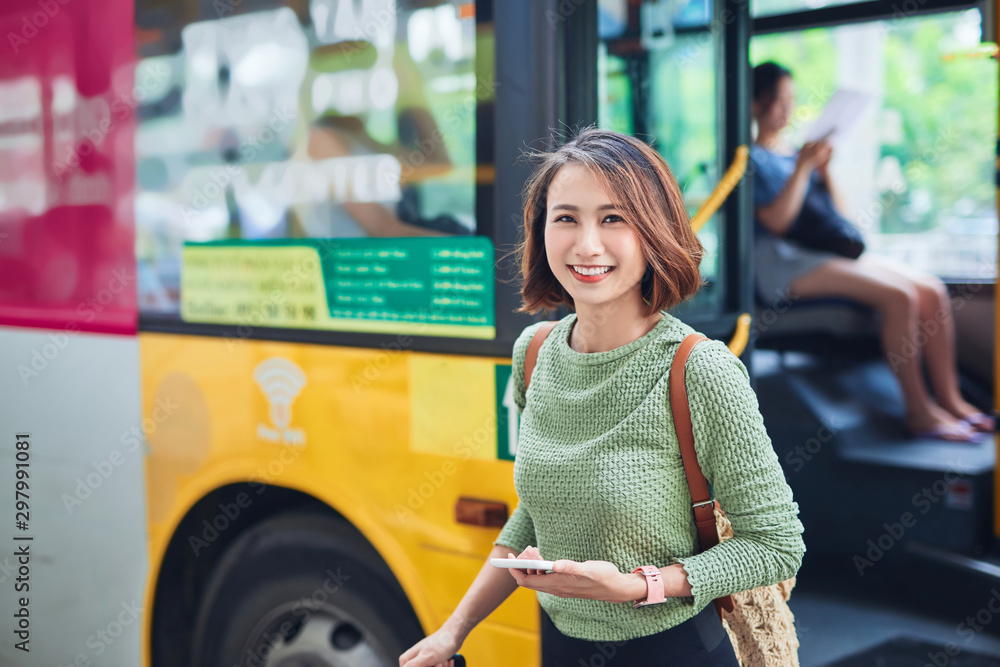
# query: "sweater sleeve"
{"points": [[740, 463], [519, 531]]}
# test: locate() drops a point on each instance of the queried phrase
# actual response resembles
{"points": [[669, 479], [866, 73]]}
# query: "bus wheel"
{"points": [[303, 591]]}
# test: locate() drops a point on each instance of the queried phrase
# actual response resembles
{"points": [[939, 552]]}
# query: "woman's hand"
{"points": [[823, 169], [530, 553], [589, 580], [432, 651], [814, 155], [491, 587]]}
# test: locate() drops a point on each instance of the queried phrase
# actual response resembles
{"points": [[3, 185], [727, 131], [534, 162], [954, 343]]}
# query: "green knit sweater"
{"points": [[599, 475]]}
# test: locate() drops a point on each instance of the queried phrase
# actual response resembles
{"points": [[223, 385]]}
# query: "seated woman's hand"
{"points": [[589, 580], [814, 154]]}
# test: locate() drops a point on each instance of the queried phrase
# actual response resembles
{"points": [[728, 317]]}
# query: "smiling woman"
{"points": [[601, 485], [589, 242], [607, 200]]}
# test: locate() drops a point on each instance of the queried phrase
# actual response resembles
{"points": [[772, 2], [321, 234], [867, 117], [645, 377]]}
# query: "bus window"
{"points": [[657, 81], [917, 171], [771, 7], [339, 120]]}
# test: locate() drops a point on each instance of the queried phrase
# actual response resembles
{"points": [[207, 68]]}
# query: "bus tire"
{"points": [[303, 589]]}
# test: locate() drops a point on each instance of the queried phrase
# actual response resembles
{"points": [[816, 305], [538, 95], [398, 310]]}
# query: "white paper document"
{"points": [[840, 115]]}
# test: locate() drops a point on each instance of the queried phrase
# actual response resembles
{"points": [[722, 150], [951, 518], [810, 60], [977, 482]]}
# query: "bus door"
{"points": [[881, 507]]}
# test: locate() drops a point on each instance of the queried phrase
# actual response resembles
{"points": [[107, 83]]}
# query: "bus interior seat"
{"points": [[825, 326]]}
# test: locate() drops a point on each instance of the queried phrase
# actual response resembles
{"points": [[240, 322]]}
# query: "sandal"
{"points": [[942, 432], [981, 423]]}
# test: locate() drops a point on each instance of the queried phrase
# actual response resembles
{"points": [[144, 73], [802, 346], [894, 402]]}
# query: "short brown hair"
{"points": [[642, 186]]}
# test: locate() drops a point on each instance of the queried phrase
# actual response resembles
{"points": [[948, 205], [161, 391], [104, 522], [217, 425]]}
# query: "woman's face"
{"points": [[592, 251], [776, 117]]}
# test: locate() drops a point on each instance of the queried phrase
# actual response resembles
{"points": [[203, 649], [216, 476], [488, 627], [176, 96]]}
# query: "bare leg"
{"points": [[938, 338], [897, 300]]}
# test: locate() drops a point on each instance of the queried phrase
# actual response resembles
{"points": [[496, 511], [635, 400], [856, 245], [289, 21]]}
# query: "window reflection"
{"points": [[354, 119], [918, 174], [25, 187]]}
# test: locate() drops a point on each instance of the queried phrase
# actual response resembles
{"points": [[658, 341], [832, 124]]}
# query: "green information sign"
{"points": [[508, 419], [431, 286]]}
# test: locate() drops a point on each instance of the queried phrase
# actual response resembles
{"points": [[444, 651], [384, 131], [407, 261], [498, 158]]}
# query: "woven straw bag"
{"points": [[761, 626]]}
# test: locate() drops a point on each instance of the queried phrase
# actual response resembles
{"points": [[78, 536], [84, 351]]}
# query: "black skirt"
{"points": [[700, 640]]}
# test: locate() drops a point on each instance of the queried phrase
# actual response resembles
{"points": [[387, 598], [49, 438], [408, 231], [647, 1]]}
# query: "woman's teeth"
{"points": [[591, 271]]}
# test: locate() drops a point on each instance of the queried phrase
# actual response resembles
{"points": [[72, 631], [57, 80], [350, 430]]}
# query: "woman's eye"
{"points": [[610, 218]]}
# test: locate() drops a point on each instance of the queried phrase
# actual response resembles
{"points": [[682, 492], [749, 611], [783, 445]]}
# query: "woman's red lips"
{"points": [[590, 279]]}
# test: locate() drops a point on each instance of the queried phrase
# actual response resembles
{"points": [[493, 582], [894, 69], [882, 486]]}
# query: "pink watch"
{"points": [[654, 586]]}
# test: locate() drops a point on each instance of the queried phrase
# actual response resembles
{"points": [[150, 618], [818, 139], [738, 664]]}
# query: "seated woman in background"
{"points": [[902, 295]]}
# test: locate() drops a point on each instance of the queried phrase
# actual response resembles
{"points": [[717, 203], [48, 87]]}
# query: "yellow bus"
{"points": [[339, 457]]}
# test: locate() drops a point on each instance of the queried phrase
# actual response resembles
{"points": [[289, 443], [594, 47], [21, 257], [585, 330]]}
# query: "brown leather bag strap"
{"points": [[532, 355], [704, 506], [704, 514]]}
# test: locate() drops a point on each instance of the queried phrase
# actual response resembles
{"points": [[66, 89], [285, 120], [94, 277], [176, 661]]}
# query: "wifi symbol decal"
{"points": [[281, 381]]}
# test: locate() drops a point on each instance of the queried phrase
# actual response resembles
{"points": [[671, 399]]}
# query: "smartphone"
{"points": [[459, 660], [522, 563]]}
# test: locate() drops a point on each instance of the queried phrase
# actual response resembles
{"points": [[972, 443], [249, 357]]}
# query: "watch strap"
{"points": [[654, 586]]}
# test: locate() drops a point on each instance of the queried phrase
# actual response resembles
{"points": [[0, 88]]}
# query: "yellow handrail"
{"points": [[741, 335], [737, 168]]}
